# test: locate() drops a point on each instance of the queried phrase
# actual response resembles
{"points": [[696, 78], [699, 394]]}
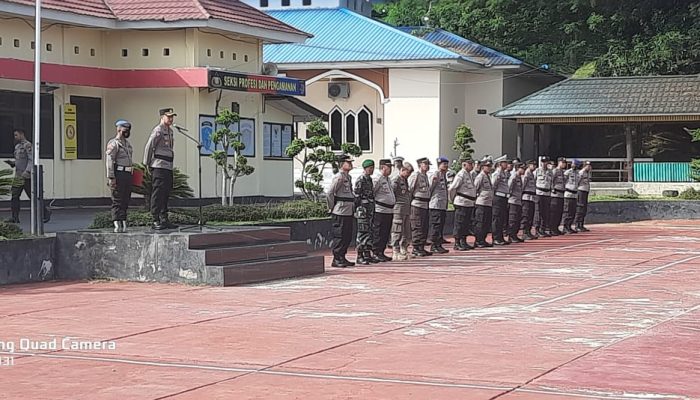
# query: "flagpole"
{"points": [[35, 210]]}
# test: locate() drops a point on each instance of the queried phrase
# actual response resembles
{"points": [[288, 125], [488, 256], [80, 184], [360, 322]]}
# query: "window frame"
{"points": [[370, 120], [48, 120], [96, 153], [268, 131]]}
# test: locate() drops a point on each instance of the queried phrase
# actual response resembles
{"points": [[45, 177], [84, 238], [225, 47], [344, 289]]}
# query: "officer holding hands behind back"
{"points": [[119, 169]]}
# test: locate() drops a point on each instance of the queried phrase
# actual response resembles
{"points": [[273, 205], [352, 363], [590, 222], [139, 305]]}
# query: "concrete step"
{"points": [[239, 254], [262, 271], [238, 237]]}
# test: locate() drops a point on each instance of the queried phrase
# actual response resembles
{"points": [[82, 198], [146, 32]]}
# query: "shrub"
{"points": [[6, 181], [10, 231], [142, 218], [690, 194], [181, 190]]}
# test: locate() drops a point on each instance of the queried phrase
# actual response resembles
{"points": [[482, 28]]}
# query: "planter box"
{"points": [[27, 260]]}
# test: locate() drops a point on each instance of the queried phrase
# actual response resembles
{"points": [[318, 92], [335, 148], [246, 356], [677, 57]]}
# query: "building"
{"points": [[399, 91], [118, 59]]}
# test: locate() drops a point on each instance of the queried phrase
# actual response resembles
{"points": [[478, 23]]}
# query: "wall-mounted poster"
{"points": [[207, 127], [286, 138], [267, 145], [276, 139], [247, 128], [206, 130]]}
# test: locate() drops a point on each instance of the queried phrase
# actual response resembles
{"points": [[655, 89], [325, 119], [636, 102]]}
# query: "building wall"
{"points": [[484, 91], [452, 110], [413, 113]]}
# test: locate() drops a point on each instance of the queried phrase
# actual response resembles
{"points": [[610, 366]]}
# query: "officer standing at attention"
{"points": [[584, 187], [364, 201], [462, 194], [385, 202], [529, 200], [158, 157], [484, 202], [438, 205], [401, 226], [398, 164], [499, 181], [556, 207], [119, 168], [420, 188], [515, 202], [543, 184], [341, 203], [570, 196]]}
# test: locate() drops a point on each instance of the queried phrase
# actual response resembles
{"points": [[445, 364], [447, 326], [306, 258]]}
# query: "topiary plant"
{"points": [[462, 144], [181, 190], [10, 231]]}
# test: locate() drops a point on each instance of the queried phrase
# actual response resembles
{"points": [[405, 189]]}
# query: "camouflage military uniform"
{"points": [[364, 200]]}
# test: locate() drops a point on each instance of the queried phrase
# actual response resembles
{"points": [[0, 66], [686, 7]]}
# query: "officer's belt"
{"points": [[501, 194], [557, 191], [472, 198], [379, 203], [571, 191], [123, 168], [544, 190], [162, 157], [346, 199], [422, 199], [530, 193]]}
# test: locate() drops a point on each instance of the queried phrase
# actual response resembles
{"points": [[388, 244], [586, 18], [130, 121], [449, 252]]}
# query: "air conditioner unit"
{"points": [[338, 90]]}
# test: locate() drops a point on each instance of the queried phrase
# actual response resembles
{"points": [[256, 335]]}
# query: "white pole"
{"points": [[36, 220]]}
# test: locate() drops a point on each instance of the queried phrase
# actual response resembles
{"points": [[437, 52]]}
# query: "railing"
{"points": [[662, 172], [611, 169]]}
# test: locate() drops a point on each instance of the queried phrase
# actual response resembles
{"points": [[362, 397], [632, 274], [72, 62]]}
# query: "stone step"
{"points": [[262, 271], [238, 237], [232, 255]]}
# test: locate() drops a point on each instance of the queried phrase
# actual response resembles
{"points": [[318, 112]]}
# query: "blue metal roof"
{"points": [[340, 35], [468, 49]]}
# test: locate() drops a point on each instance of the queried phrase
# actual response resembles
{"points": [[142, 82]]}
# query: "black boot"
{"points": [[382, 257], [348, 262], [371, 258], [568, 230], [439, 249], [361, 260], [339, 263], [584, 229]]}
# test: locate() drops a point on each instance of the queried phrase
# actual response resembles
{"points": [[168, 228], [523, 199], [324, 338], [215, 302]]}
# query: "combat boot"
{"points": [[371, 258], [568, 230], [348, 262], [339, 264], [117, 226], [383, 258], [361, 260], [584, 229], [124, 226], [404, 252], [439, 249], [530, 236]]}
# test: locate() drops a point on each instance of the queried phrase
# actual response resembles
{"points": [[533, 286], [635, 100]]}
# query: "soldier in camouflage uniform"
{"points": [[119, 169], [401, 226], [364, 201]]}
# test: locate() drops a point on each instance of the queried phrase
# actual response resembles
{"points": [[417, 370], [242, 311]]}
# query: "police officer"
{"points": [[158, 157], [515, 204], [484, 202], [462, 194], [438, 205], [401, 224], [420, 188], [556, 207], [584, 187], [529, 201], [341, 203], [384, 201], [364, 201], [398, 164], [543, 185], [23, 163], [499, 181], [570, 196], [119, 168]]}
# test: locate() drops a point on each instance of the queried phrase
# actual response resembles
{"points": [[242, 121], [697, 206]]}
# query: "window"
{"points": [[221, 54], [208, 52], [350, 128], [125, 53], [285, 3], [276, 138], [305, 2], [144, 52], [364, 129], [92, 52], [245, 58], [264, 3], [16, 111], [32, 45], [166, 52], [89, 126], [336, 130], [76, 50], [16, 42], [49, 47], [234, 56]]}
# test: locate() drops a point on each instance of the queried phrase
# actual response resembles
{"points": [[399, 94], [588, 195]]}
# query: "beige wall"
{"points": [[484, 91], [452, 110]]}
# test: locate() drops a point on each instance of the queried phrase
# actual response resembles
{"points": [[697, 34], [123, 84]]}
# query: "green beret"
{"points": [[367, 163]]}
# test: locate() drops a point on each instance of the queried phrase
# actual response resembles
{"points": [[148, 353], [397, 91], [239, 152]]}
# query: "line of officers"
{"points": [[407, 207]]}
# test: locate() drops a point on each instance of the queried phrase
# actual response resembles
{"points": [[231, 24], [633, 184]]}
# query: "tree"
{"points": [[462, 144], [315, 155], [227, 141], [695, 162]]}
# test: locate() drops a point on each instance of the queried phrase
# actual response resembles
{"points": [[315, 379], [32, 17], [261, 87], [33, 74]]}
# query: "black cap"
{"points": [[466, 159], [385, 161], [545, 159], [561, 159], [518, 164], [423, 160], [343, 158], [167, 111], [531, 162]]}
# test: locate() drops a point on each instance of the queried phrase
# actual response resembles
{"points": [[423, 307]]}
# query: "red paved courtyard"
{"points": [[610, 314]]}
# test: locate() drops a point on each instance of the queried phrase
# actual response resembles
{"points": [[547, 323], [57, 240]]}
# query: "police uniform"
{"points": [[159, 156], [499, 181], [364, 200], [384, 202], [570, 196], [584, 187], [462, 194], [398, 164], [556, 206], [543, 188], [515, 203], [529, 199], [401, 224], [119, 167], [483, 212], [420, 189], [341, 203], [438, 208], [23, 163]]}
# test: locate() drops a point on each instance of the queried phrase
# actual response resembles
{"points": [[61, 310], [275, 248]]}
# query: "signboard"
{"points": [[70, 133], [256, 83]]}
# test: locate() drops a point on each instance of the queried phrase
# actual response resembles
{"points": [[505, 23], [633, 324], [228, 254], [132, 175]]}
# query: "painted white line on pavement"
{"points": [[568, 247]]}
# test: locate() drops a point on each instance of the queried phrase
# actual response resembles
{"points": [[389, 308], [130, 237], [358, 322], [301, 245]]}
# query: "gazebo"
{"points": [[590, 117]]}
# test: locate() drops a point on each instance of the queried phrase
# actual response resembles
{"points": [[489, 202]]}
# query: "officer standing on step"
{"points": [[484, 203], [499, 181], [515, 201], [119, 169], [462, 193], [158, 157], [570, 196], [584, 187], [420, 188], [438, 205], [529, 200], [384, 201], [543, 184], [341, 203], [401, 225], [364, 201], [556, 207]]}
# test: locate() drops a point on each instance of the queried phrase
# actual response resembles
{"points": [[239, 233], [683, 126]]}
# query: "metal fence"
{"points": [[662, 172]]}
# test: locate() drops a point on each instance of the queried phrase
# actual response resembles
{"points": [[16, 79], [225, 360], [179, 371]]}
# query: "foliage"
{"points": [[607, 38], [302, 209], [315, 155], [689, 194], [695, 162], [227, 141], [462, 144], [7, 180], [181, 190], [10, 231]]}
